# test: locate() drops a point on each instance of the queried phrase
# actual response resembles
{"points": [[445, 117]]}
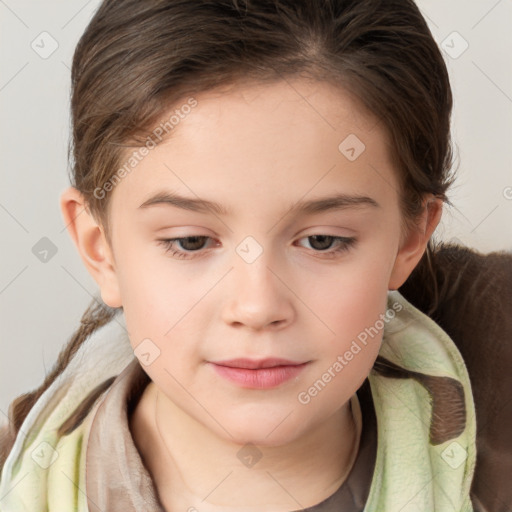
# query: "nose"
{"points": [[258, 297]]}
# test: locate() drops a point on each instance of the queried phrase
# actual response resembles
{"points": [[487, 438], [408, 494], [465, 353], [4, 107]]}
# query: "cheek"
{"points": [[353, 298], [152, 287], [153, 302], [353, 309], [345, 359]]}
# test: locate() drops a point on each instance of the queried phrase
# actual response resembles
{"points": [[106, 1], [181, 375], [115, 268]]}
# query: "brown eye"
{"points": [[192, 243], [189, 245], [322, 244]]}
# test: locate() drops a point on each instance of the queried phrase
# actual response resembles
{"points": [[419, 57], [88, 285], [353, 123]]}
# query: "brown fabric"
{"points": [[116, 478], [353, 493], [475, 310], [118, 481]]}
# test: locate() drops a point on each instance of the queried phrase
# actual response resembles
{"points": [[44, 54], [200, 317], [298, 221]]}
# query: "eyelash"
{"points": [[346, 243]]}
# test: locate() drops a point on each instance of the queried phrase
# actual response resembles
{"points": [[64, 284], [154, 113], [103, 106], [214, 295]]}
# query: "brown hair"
{"points": [[137, 59]]}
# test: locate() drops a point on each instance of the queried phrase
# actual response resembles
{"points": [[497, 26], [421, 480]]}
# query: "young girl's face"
{"points": [[254, 288]]}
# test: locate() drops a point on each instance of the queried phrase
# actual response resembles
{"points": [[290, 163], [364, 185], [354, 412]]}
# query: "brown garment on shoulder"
{"points": [[475, 310]]}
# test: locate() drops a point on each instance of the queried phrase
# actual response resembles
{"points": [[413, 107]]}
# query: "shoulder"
{"points": [[475, 309], [474, 304], [9, 434]]}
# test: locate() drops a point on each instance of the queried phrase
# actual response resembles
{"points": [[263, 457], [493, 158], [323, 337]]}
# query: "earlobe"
{"points": [[415, 243], [89, 238]]}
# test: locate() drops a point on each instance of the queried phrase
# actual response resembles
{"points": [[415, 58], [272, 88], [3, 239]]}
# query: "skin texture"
{"points": [[257, 150]]}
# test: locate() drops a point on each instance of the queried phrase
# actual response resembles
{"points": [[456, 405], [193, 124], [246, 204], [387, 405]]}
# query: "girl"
{"points": [[253, 182]]}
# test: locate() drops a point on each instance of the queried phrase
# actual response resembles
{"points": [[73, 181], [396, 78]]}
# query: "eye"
{"points": [[190, 244], [194, 244], [321, 243]]}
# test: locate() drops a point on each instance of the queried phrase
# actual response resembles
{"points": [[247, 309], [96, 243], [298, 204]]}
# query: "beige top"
{"points": [[118, 481]]}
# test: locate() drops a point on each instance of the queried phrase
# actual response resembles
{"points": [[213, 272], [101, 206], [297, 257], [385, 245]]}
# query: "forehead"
{"points": [[273, 140]]}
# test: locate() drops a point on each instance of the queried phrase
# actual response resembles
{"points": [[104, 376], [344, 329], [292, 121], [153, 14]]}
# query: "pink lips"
{"points": [[258, 374]]}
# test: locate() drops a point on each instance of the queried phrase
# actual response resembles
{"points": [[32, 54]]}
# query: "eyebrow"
{"points": [[334, 202]]}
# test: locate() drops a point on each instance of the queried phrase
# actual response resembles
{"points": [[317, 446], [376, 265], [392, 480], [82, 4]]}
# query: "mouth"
{"points": [[258, 374], [256, 364]]}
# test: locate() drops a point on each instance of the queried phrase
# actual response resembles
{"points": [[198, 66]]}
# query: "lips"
{"points": [[253, 364], [258, 374]]}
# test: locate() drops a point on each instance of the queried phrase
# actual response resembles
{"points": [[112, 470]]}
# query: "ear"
{"points": [[89, 238], [413, 245]]}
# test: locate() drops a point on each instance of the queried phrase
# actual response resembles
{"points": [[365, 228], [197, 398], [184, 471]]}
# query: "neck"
{"points": [[194, 469]]}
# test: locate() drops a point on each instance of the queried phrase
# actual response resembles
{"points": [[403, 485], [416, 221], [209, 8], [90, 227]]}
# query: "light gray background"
{"points": [[41, 302]]}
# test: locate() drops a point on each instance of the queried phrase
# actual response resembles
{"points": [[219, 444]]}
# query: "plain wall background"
{"points": [[41, 302]]}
